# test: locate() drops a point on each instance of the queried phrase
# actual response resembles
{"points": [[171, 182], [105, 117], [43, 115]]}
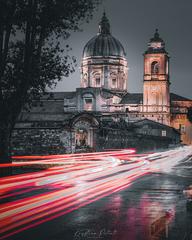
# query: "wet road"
{"points": [[121, 195]]}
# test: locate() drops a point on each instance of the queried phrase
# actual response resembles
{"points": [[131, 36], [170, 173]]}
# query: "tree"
{"points": [[31, 56]]}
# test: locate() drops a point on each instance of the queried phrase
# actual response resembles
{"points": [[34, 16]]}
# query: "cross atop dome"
{"points": [[104, 25], [156, 35]]}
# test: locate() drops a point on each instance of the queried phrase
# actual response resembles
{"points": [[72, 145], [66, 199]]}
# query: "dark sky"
{"points": [[133, 22]]}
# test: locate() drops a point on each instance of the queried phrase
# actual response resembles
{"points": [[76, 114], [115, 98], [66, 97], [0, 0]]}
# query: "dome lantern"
{"points": [[104, 25], [104, 44]]}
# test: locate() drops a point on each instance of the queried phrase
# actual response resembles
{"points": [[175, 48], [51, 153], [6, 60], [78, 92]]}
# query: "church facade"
{"points": [[102, 113], [104, 81]]}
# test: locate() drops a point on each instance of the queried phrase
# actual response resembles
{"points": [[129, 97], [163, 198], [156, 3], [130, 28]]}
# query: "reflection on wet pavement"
{"points": [[137, 200]]}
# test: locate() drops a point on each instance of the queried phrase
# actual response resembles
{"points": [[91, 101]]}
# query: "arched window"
{"points": [[97, 80], [154, 67], [113, 80], [88, 102]]}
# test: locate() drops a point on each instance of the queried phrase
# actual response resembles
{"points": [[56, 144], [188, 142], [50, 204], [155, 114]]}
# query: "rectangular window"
{"points": [[88, 100], [163, 133]]}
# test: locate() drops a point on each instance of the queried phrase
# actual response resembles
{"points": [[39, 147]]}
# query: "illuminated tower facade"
{"points": [[156, 95]]}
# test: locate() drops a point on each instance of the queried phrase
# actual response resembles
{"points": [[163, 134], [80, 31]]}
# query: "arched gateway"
{"points": [[83, 128]]}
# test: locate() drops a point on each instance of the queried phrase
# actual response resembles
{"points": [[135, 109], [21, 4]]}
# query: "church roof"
{"points": [[50, 107], [57, 95], [175, 97], [137, 98], [47, 107], [132, 98], [104, 44], [147, 121]]}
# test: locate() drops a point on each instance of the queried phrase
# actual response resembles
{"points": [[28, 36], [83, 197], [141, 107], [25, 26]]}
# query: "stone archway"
{"points": [[83, 127], [83, 134]]}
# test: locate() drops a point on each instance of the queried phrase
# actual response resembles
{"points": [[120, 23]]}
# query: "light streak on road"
{"points": [[75, 181]]}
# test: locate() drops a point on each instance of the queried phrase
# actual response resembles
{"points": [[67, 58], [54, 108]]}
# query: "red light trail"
{"points": [[75, 181]]}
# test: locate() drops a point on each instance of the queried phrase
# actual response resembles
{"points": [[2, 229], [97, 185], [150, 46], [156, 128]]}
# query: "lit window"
{"points": [[182, 128]]}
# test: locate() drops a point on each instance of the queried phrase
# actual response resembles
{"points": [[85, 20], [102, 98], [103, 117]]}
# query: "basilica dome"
{"points": [[104, 44]]}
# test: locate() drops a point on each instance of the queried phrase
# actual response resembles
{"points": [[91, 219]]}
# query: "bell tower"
{"points": [[156, 95]]}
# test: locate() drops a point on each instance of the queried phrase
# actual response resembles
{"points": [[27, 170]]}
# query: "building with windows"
{"points": [[103, 113], [104, 84]]}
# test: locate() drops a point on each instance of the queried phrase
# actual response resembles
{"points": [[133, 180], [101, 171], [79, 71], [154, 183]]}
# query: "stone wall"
{"points": [[43, 138], [40, 141], [57, 141], [118, 139]]}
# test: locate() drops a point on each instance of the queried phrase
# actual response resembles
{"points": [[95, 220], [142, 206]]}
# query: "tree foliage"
{"points": [[31, 53]]}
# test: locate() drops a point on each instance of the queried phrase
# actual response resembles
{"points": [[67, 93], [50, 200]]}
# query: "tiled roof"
{"points": [[132, 98]]}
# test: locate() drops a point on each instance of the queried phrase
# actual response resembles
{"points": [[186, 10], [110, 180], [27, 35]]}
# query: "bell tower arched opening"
{"points": [[154, 67]]}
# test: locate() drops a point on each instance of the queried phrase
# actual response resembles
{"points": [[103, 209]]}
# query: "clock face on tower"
{"points": [[156, 45]]}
